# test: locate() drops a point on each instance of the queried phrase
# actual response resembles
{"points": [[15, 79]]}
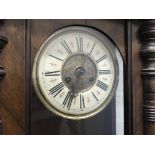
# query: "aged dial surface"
{"points": [[75, 72]]}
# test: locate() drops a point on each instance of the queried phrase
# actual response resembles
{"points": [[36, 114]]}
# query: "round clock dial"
{"points": [[75, 72]]}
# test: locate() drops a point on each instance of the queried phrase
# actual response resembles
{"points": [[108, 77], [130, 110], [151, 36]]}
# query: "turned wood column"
{"points": [[3, 42], [147, 39]]}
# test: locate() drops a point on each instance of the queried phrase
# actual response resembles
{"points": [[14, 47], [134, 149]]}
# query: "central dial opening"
{"points": [[79, 73]]}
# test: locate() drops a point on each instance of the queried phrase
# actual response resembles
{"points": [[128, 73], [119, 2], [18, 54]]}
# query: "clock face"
{"points": [[75, 72]]}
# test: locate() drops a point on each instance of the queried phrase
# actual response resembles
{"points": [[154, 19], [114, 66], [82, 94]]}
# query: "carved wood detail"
{"points": [[3, 42], [2, 72], [147, 38], [1, 129]]}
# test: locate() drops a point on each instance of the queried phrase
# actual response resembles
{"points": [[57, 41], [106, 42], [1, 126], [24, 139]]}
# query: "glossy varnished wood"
{"points": [[3, 42], [12, 87]]}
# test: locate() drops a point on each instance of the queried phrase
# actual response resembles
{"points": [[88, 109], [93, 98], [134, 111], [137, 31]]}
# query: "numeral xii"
{"points": [[80, 44]]}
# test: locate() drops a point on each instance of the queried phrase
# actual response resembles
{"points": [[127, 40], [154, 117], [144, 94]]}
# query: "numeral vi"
{"points": [[82, 104], [68, 100]]}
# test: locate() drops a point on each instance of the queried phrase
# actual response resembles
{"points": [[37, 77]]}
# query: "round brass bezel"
{"points": [[112, 51]]}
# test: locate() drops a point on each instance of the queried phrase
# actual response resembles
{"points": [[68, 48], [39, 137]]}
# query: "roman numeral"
{"points": [[102, 85], [55, 73], [104, 72], [57, 89], [55, 57], [68, 100], [92, 48], [100, 59], [65, 45], [94, 96], [80, 44], [82, 104]]}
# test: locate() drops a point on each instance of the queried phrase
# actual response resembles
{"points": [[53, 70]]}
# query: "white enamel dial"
{"points": [[75, 72]]}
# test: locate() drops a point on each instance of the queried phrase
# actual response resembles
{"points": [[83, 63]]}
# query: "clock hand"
{"points": [[89, 54], [84, 62]]}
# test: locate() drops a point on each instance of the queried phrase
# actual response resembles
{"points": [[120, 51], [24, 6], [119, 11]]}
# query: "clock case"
{"points": [[21, 112]]}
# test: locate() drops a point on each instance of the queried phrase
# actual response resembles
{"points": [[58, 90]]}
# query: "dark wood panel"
{"points": [[12, 87]]}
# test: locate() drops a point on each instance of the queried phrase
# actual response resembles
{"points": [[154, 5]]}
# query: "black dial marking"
{"points": [[102, 85], [56, 57], [100, 59], [92, 48], [94, 96], [55, 73], [65, 45], [80, 44], [68, 100], [104, 72], [82, 104], [57, 89], [58, 92]]}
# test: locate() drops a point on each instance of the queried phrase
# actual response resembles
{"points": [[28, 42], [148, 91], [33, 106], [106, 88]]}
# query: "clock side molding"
{"points": [[3, 42], [147, 51]]}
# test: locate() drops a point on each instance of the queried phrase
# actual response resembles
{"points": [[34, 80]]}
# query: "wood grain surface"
{"points": [[12, 86]]}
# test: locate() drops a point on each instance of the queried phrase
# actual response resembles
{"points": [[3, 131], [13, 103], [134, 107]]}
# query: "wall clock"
{"points": [[75, 72]]}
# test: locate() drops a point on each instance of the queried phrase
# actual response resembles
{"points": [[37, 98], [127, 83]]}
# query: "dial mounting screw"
{"points": [[91, 79], [67, 79]]}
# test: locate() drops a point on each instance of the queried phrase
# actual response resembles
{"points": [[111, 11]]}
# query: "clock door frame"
{"points": [[126, 35]]}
